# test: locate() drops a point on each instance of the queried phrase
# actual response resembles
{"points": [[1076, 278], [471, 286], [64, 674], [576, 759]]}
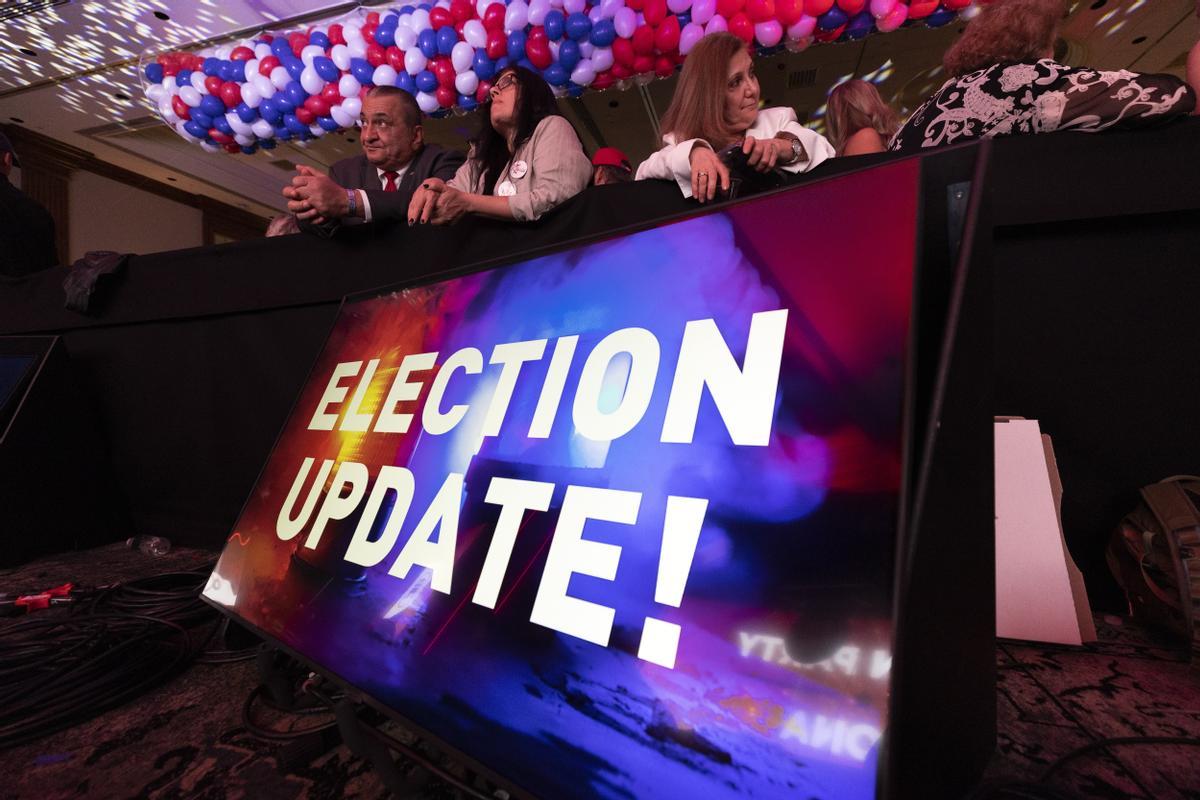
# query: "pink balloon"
{"points": [[768, 33], [881, 8], [702, 10], [894, 19], [678, 6], [802, 29], [625, 21], [716, 25], [688, 37]]}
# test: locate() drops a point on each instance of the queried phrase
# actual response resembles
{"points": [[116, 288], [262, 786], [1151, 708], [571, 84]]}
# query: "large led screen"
{"points": [[617, 522]]}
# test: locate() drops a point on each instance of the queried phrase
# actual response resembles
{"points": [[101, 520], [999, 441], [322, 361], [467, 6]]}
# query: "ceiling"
{"points": [[69, 70]]}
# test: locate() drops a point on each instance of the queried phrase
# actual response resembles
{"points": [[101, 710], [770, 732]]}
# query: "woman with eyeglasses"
{"points": [[716, 107], [526, 160]]}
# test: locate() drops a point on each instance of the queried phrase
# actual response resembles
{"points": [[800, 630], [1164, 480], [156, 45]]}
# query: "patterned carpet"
{"points": [[186, 739]]}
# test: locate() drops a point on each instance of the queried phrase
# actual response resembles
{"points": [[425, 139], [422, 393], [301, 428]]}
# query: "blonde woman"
{"points": [[716, 104], [859, 121]]}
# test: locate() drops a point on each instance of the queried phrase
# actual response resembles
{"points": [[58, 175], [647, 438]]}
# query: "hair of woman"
{"points": [[697, 110], [854, 105], [535, 102], [1008, 31]]}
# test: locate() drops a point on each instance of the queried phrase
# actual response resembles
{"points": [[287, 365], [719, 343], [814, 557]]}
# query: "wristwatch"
{"points": [[797, 151]]}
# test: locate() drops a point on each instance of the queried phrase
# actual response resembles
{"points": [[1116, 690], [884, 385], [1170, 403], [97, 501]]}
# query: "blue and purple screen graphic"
{"points": [[617, 522]]}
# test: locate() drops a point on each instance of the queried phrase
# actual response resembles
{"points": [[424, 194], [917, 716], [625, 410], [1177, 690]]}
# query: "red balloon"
{"points": [[376, 55], [643, 40], [789, 11], [538, 33], [493, 18], [538, 52], [330, 94], [193, 62], [446, 96], [373, 18], [231, 94], [643, 64], [852, 7], [815, 8], [603, 80], [440, 17], [741, 27], [218, 137], [305, 116], [180, 107], [636, 5], [481, 92], [497, 44], [171, 69], [664, 66], [368, 31], [232, 147], [461, 10], [761, 10], [395, 58], [919, 9], [956, 5], [317, 105], [444, 71], [666, 36], [622, 71], [242, 53], [213, 84], [267, 64], [727, 8], [458, 27], [297, 41], [335, 34], [622, 50], [656, 12]]}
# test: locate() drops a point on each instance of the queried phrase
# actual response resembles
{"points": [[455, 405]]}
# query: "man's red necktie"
{"points": [[390, 186]]}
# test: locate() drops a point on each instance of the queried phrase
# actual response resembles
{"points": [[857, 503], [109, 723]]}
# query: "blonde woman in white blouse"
{"points": [[526, 160]]}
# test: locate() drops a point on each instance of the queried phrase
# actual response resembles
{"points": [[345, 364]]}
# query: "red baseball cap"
{"points": [[611, 157]]}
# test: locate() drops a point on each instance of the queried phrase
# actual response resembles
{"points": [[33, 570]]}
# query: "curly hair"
{"points": [[1006, 31]]}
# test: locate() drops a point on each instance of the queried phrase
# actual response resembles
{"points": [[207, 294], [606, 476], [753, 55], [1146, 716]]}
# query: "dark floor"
{"points": [[186, 739]]}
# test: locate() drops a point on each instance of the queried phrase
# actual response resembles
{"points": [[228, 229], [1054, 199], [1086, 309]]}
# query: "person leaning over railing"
{"points": [[526, 160], [1007, 82], [858, 120], [715, 106]]}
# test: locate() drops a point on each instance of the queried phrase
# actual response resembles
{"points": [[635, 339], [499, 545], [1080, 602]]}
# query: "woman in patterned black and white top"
{"points": [[1007, 83]]}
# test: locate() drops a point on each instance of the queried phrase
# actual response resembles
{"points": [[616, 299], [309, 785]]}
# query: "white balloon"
{"points": [[340, 54], [384, 75], [678, 6], [197, 80], [357, 48], [262, 50], [236, 123], [554, 45], [348, 86], [244, 139], [352, 32], [594, 14], [406, 37], [352, 106], [156, 92], [264, 86], [182, 131], [280, 77], [584, 73], [420, 20], [251, 69], [574, 6], [190, 96], [310, 52], [473, 33], [516, 16], [316, 130], [462, 56], [250, 95], [586, 49], [311, 81], [602, 59], [481, 6], [625, 21], [609, 8], [414, 61], [466, 83], [208, 146], [262, 129], [170, 84], [427, 102], [223, 52], [341, 117], [538, 9]]}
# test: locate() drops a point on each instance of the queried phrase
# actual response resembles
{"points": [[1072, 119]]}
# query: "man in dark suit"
{"points": [[378, 184], [26, 229]]}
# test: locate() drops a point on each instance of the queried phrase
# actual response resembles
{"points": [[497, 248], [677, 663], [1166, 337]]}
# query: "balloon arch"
{"points": [[304, 84]]}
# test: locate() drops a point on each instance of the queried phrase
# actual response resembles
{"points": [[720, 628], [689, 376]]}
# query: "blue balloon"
{"points": [[405, 81], [154, 73], [245, 113], [266, 144], [222, 124], [362, 70], [391, 20], [327, 123], [294, 125], [319, 39], [236, 71], [295, 93], [386, 35], [554, 24], [516, 44], [294, 67], [578, 26], [183, 77], [527, 64], [484, 67], [195, 129], [211, 66], [940, 17], [684, 18], [270, 111], [427, 41], [832, 19], [426, 6], [204, 120], [326, 68], [569, 55], [555, 75], [574, 90], [862, 24], [467, 103], [501, 63], [250, 150], [407, 9], [282, 133], [603, 33], [280, 48], [426, 81], [284, 105], [447, 37]]}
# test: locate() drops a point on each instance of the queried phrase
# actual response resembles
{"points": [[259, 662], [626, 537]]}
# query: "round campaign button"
{"points": [[518, 170], [506, 189]]}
